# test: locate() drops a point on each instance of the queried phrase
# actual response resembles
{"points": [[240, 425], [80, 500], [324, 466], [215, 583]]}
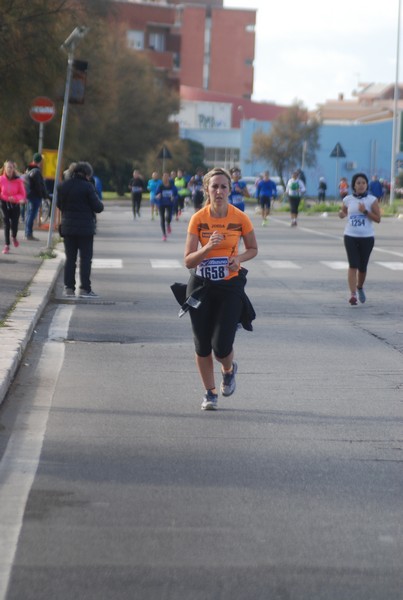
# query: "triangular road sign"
{"points": [[164, 153], [337, 152]]}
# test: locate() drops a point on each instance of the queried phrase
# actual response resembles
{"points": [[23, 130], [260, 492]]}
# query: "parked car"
{"points": [[251, 185]]}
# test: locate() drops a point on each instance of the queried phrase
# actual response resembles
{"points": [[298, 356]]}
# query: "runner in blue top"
{"points": [[166, 196], [266, 190], [238, 190], [152, 186]]}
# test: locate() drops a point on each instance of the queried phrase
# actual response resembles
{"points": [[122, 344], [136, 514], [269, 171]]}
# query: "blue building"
{"points": [[367, 148], [362, 128]]}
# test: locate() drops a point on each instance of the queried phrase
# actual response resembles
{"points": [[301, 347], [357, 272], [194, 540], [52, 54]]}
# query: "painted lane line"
{"points": [[20, 460], [336, 237]]}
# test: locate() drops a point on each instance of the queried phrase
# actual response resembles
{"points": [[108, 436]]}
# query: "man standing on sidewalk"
{"points": [[36, 190], [78, 203]]}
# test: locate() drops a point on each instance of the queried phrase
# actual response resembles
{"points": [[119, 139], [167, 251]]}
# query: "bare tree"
{"points": [[292, 134]]}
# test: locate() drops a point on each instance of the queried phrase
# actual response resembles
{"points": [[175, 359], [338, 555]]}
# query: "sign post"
{"points": [[163, 154], [337, 153], [42, 111]]}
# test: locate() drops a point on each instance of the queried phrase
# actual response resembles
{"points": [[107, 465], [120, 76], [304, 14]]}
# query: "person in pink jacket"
{"points": [[12, 194]]}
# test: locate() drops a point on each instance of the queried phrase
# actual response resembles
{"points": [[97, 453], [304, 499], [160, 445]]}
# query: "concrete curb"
{"points": [[19, 326]]}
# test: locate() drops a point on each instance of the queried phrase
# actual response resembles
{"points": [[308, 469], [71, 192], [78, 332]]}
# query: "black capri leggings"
{"points": [[294, 204], [358, 251], [215, 322], [11, 213]]}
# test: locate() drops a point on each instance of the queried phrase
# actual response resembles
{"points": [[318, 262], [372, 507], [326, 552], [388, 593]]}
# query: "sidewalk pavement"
{"points": [[26, 282]]}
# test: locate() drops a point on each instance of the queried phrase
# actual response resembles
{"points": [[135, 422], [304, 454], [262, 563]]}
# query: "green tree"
{"points": [[126, 111], [291, 135], [31, 64], [186, 155]]}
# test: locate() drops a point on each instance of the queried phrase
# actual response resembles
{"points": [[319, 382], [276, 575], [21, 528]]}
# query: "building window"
{"points": [[221, 157], [176, 60], [178, 16], [135, 39], [156, 41]]}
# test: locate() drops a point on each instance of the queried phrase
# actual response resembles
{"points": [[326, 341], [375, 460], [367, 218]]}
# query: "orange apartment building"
{"points": [[198, 44], [206, 53]]}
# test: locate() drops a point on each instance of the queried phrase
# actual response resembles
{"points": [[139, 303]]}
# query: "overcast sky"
{"points": [[312, 50]]}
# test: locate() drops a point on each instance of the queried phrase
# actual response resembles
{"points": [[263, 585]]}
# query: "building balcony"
{"points": [[160, 60]]}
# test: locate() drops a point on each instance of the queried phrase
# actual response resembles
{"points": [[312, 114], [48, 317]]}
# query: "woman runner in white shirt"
{"points": [[361, 210]]}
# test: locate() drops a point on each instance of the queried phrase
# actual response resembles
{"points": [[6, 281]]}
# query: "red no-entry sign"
{"points": [[42, 109]]}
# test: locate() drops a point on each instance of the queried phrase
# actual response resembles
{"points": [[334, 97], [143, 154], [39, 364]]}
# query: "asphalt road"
{"points": [[116, 486]]}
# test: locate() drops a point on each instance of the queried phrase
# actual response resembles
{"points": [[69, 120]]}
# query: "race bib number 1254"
{"points": [[357, 220]]}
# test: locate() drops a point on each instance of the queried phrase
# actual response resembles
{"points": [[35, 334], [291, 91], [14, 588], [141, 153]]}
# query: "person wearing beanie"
{"points": [[78, 203], [36, 190]]}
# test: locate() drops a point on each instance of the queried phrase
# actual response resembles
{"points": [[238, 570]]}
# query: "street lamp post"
{"points": [[69, 46], [395, 115]]}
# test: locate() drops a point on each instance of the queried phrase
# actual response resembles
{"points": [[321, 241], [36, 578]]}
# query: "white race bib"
{"points": [[357, 220], [214, 268]]}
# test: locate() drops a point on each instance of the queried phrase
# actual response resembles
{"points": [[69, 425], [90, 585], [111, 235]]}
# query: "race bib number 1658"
{"points": [[213, 268]]}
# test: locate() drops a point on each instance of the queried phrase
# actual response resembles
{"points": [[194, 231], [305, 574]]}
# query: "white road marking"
{"points": [[394, 266], [20, 461], [338, 265], [335, 264], [335, 237], [107, 263], [281, 264], [166, 263]]}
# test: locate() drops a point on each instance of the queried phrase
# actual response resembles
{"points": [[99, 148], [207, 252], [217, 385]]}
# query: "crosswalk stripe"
{"points": [[281, 264], [336, 264], [394, 266], [107, 263], [165, 263]]}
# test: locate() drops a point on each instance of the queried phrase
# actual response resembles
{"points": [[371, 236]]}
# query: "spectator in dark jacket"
{"points": [[36, 190], [78, 202]]}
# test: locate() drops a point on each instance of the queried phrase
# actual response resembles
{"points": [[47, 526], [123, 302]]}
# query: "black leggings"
{"points": [[358, 251], [215, 322], [294, 204], [11, 214], [165, 217], [136, 203]]}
